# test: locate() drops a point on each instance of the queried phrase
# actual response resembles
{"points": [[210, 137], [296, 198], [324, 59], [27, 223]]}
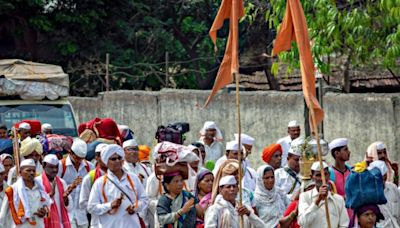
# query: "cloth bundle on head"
{"points": [[130, 143], [295, 146], [144, 153], [100, 147], [340, 142], [269, 151], [168, 148], [293, 123], [105, 128], [211, 125], [51, 159], [79, 147], [233, 145], [28, 163], [24, 126], [110, 150], [29, 145], [381, 165], [245, 139], [316, 166], [46, 126], [227, 180], [372, 152], [185, 154]]}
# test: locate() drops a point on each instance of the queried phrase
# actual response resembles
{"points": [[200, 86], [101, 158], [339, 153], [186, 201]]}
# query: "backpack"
{"points": [[363, 188], [64, 166]]}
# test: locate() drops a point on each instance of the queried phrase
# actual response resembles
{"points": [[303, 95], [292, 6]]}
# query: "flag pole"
{"points": [[315, 131], [239, 130], [16, 150]]}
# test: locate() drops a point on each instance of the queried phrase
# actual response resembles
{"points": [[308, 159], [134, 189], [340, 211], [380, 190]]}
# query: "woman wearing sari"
{"points": [[270, 201], [204, 185], [175, 209]]}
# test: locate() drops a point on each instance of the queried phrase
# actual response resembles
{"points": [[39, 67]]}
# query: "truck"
{"points": [[38, 91]]}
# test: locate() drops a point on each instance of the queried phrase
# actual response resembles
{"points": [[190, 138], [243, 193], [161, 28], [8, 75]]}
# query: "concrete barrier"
{"points": [[363, 118]]}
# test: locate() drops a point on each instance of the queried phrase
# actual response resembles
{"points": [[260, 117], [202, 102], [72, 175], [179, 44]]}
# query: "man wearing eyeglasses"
{"points": [[118, 197], [132, 163]]}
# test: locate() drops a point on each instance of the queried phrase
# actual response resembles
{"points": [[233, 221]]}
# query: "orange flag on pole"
{"points": [[294, 28], [232, 10]]}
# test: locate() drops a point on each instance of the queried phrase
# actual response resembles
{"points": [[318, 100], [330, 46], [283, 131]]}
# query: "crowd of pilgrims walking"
{"points": [[171, 185]]}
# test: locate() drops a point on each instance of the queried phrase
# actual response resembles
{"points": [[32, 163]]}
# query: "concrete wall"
{"points": [[363, 118]]}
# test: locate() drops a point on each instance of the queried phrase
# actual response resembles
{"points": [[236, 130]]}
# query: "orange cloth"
{"points": [[294, 28], [269, 151], [232, 10], [144, 152]]}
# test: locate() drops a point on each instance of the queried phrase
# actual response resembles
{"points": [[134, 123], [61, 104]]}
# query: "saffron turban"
{"points": [[144, 153], [269, 151]]}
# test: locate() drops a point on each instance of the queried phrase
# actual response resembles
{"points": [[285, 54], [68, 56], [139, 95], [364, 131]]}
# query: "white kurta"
{"points": [[153, 192], [56, 197], [77, 213], [223, 214], [313, 216], [138, 169], [214, 151], [84, 198], [285, 143], [390, 210], [121, 219], [6, 222], [34, 202], [285, 182], [12, 174]]}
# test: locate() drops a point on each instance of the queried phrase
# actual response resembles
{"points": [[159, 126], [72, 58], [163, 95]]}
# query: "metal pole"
{"points": [[107, 75]]}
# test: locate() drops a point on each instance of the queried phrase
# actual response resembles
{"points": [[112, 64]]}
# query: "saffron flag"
{"points": [[294, 28], [232, 10]]}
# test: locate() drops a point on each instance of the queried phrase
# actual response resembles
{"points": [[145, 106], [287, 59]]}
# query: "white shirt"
{"points": [[390, 210], [121, 219], [138, 169], [84, 198], [34, 202], [69, 176], [223, 214], [313, 216], [6, 222], [214, 151], [12, 174], [250, 176], [285, 143], [285, 182], [56, 198]]}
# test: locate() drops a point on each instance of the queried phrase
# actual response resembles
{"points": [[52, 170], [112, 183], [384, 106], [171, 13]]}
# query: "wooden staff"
{"points": [[16, 150], [315, 131], [239, 129]]}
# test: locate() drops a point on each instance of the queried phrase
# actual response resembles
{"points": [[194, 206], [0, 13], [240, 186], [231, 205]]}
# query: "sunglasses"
{"points": [[116, 158]]}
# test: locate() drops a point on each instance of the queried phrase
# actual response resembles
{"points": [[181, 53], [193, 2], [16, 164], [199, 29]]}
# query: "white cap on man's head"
{"points": [[100, 147], [232, 145], [79, 147], [28, 162], [110, 150], [130, 142], [293, 123], [245, 139], [338, 143], [51, 159], [24, 126], [381, 165], [295, 146], [380, 146], [47, 126], [227, 180], [316, 166]]}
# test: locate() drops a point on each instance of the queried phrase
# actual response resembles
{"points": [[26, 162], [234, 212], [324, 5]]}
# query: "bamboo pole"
{"points": [[239, 130], [315, 131], [16, 150]]}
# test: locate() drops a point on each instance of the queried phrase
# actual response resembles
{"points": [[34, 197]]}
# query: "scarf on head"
{"points": [[373, 153], [54, 220]]}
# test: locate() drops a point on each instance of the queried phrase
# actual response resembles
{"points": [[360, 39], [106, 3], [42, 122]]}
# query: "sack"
{"points": [[169, 134], [363, 188]]}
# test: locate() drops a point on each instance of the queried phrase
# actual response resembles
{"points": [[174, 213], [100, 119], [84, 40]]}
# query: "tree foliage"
{"points": [[350, 33]]}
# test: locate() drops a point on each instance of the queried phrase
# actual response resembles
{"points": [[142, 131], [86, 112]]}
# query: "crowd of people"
{"points": [[131, 185]]}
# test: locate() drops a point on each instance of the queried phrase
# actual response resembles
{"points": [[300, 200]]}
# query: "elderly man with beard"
{"points": [[225, 212], [26, 204], [311, 204], [211, 138], [293, 131], [118, 197], [55, 186]]}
